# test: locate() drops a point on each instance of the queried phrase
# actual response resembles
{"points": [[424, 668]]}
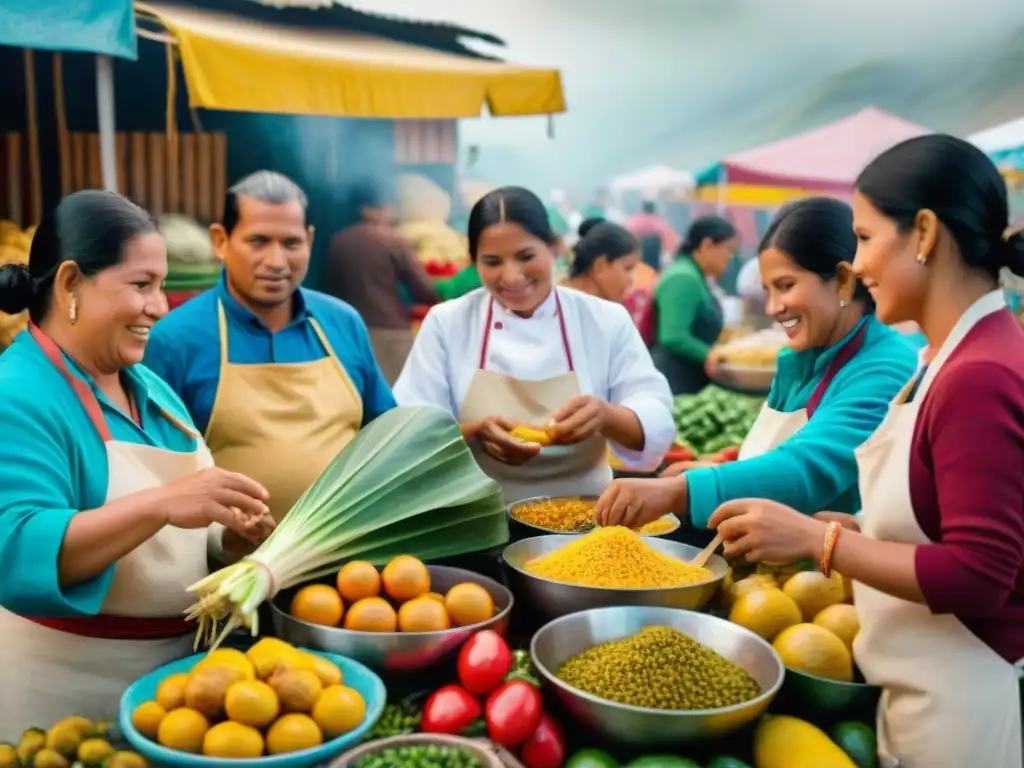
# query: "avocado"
{"points": [[726, 761], [662, 761], [859, 742], [591, 758]]}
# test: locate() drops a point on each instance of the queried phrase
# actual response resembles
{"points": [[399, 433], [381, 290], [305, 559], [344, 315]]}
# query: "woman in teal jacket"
{"points": [[832, 388]]}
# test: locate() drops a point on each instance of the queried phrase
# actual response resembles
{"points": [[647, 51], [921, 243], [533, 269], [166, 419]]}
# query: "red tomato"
{"points": [[513, 712], [545, 748], [484, 661], [731, 454], [450, 709]]}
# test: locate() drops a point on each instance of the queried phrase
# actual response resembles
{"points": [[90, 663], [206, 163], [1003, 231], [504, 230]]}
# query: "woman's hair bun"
{"points": [[1012, 255], [16, 288]]}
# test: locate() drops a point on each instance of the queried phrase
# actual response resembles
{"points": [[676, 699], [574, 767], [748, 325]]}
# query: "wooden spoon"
{"points": [[704, 555]]}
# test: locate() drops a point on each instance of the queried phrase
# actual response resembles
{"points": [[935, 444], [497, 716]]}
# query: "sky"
{"points": [[685, 82]]}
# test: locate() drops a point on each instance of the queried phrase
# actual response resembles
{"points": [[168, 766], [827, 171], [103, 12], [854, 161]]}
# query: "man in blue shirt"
{"points": [[277, 377]]}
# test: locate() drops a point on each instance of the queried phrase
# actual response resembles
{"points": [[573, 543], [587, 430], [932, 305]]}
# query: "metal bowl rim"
{"points": [[765, 696], [826, 681], [440, 633], [580, 497], [517, 569]]}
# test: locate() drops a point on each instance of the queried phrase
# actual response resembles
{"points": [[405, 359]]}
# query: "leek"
{"points": [[407, 484]]}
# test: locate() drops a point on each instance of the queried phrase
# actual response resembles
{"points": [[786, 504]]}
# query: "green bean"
{"points": [[421, 756]]}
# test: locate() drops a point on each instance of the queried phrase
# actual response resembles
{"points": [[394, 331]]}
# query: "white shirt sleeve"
{"points": [[635, 383], [424, 379]]}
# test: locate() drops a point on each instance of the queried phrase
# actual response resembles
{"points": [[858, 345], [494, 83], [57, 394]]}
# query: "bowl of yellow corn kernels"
{"points": [[569, 515]]}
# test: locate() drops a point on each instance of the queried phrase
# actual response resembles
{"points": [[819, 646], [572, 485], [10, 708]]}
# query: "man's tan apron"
{"points": [[772, 428], [82, 665], [391, 347], [948, 701], [282, 423], [559, 470]]}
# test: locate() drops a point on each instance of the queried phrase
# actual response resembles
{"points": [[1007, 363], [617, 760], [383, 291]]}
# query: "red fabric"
{"points": [[177, 298], [640, 304], [119, 627]]}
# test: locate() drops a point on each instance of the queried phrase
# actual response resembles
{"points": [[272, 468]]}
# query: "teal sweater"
{"points": [[815, 469], [54, 464]]}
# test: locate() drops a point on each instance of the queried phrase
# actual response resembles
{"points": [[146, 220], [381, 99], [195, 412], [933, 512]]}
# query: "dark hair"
{"points": [[515, 205], [817, 234], [267, 187], [649, 206], [366, 193], [588, 224], [603, 239], [714, 227], [956, 181], [90, 228]]}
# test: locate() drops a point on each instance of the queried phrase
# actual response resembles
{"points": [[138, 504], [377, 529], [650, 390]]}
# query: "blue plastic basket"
{"points": [[355, 675]]}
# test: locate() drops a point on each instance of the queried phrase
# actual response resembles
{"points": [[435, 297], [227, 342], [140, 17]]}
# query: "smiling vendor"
{"points": [[520, 351], [278, 378], [832, 389]]}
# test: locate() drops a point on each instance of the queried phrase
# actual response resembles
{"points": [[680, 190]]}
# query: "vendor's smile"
{"points": [[140, 330]]}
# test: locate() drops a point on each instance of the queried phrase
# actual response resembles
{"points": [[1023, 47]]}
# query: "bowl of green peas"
{"points": [[420, 750]]}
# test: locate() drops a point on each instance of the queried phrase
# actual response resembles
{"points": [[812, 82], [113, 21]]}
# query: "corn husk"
{"points": [[407, 484]]}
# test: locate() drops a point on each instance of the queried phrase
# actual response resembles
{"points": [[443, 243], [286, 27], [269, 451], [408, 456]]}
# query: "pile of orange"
{"points": [[395, 599], [271, 700]]}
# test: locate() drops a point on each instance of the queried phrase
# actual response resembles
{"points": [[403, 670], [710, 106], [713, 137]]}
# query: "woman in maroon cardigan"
{"points": [[938, 555]]}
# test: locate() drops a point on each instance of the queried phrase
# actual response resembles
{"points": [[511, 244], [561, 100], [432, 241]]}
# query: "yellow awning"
{"points": [[752, 195], [235, 64]]}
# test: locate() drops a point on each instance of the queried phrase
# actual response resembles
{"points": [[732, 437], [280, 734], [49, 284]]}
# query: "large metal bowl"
{"points": [[829, 699], [552, 599], [395, 651], [569, 636], [519, 529]]}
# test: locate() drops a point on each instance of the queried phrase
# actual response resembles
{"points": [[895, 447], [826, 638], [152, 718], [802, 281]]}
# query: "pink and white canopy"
{"points": [[828, 158]]}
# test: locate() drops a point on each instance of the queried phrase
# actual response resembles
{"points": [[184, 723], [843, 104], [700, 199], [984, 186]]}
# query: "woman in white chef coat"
{"points": [[107, 492], [522, 351], [937, 554]]}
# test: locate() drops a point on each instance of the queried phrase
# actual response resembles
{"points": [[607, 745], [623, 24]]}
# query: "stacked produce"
{"points": [[71, 741], [273, 699], [615, 558], [808, 618], [417, 755], [659, 668], [14, 249], [575, 516], [714, 420], [408, 605], [407, 484]]}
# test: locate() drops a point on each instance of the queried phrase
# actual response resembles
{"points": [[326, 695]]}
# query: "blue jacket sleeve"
{"points": [[38, 498], [813, 467]]}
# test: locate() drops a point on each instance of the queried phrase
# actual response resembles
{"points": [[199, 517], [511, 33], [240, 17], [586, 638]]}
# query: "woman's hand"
{"points": [[215, 495], [845, 520], [766, 531], [635, 502], [493, 434], [673, 470], [713, 363], [581, 418]]}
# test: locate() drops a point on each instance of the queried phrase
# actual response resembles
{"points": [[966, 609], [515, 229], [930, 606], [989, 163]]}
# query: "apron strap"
{"points": [[851, 348], [561, 327], [222, 333]]}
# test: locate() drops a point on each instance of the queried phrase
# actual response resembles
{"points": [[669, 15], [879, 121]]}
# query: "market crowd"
{"points": [[140, 445]]}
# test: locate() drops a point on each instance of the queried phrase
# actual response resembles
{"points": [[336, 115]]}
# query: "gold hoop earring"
{"points": [[922, 259], [73, 311]]}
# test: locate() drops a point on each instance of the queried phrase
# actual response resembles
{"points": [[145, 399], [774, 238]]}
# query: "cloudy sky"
{"points": [[685, 81]]}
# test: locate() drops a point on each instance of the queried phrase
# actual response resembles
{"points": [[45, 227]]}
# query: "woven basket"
{"points": [[486, 753]]}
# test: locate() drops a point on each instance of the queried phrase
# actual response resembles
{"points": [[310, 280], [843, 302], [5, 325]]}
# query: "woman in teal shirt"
{"points": [[107, 492], [833, 385], [689, 318]]}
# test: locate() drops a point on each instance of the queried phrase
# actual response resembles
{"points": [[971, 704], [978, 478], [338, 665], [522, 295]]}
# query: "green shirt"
{"points": [[681, 296], [460, 284]]}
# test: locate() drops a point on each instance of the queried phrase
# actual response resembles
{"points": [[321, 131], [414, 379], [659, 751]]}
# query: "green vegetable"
{"points": [[591, 758], [859, 742], [397, 719], [421, 756], [714, 419], [726, 761], [662, 761], [407, 484]]}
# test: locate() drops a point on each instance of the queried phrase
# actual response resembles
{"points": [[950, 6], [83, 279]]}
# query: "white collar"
{"points": [[547, 308]]}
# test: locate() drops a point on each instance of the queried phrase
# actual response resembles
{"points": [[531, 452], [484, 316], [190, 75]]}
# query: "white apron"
{"points": [[559, 470], [772, 428], [81, 666], [949, 701]]}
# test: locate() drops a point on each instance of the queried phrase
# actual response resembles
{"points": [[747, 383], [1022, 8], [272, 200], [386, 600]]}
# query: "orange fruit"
{"points": [[252, 702], [405, 577], [423, 614], [170, 694], [318, 604], [468, 603], [146, 718], [435, 596], [339, 710], [183, 730], [765, 612], [814, 650], [841, 620], [371, 614], [233, 740], [357, 580], [292, 733]]}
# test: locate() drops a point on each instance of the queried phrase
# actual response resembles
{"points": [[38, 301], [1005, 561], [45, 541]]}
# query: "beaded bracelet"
{"points": [[831, 537]]}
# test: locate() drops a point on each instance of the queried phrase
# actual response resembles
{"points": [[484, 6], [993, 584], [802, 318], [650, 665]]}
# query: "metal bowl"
{"points": [[395, 651], [519, 529], [829, 699], [568, 636], [746, 378], [552, 599]]}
